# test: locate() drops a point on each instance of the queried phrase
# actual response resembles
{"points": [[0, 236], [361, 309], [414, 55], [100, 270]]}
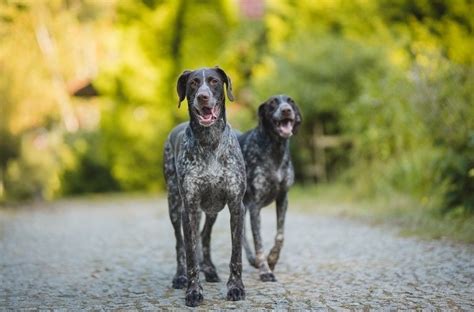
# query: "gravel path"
{"points": [[119, 254]]}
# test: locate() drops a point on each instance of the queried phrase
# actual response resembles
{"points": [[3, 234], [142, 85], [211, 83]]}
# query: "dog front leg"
{"points": [[266, 274], [281, 207], [191, 228], [235, 286]]}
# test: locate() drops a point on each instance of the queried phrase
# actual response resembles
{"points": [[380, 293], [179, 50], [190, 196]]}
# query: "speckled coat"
{"points": [[270, 174], [204, 171]]}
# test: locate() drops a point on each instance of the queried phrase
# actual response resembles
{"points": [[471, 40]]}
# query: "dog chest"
{"points": [[266, 182], [212, 179]]}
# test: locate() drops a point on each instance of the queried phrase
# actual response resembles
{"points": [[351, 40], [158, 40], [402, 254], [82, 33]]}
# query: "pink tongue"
{"points": [[206, 113], [215, 111], [209, 113], [286, 127]]}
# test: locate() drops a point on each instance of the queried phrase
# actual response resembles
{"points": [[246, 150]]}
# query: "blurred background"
{"points": [[87, 92]]}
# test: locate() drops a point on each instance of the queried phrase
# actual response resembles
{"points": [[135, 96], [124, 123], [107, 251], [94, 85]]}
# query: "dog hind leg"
{"points": [[248, 249], [175, 211], [206, 264]]}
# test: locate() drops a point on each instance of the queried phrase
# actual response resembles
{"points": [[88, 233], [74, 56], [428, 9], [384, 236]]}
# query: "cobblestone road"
{"points": [[119, 254]]}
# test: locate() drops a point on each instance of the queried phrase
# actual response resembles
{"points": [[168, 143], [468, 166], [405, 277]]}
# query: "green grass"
{"points": [[410, 217]]}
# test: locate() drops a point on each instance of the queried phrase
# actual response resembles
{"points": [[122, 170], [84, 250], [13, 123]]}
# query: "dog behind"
{"points": [[269, 174]]}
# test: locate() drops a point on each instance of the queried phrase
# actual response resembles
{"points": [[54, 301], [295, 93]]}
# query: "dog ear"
{"points": [[227, 82], [181, 86], [298, 116], [262, 111]]}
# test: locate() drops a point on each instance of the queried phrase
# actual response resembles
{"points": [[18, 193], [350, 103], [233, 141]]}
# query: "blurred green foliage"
{"points": [[391, 79], [90, 172], [155, 37]]}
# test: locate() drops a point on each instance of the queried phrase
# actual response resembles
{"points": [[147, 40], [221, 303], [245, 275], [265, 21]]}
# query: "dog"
{"points": [[204, 171], [270, 174]]}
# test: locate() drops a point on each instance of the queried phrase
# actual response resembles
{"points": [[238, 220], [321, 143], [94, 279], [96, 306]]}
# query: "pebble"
{"points": [[119, 254]]}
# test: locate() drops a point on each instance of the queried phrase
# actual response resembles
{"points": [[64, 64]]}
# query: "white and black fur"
{"points": [[269, 174], [204, 171]]}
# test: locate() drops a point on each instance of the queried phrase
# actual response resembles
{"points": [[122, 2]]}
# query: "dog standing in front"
{"points": [[204, 170], [269, 174]]}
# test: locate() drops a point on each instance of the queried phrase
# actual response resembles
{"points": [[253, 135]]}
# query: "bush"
{"points": [[35, 172], [89, 172], [445, 102], [457, 171], [322, 78]]}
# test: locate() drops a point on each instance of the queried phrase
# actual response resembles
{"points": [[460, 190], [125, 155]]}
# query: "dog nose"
{"points": [[203, 97], [286, 111]]}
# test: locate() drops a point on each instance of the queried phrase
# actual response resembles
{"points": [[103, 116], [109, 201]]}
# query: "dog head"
{"points": [[204, 90], [280, 116]]}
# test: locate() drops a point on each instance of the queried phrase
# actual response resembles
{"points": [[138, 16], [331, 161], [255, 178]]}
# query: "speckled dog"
{"points": [[269, 174], [204, 171]]}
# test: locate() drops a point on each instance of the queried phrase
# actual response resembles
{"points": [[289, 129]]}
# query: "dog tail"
{"points": [[248, 250]]}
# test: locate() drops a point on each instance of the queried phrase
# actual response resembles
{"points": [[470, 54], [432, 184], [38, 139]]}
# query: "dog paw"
{"points": [[236, 292], [194, 296], [180, 281], [212, 277], [267, 277]]}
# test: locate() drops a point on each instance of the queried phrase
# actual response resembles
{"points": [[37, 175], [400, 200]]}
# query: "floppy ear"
{"points": [[227, 82], [262, 111], [298, 116], [181, 86]]}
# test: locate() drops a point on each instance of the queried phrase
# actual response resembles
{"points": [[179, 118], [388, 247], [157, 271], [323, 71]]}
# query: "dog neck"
{"points": [[208, 136], [271, 143]]}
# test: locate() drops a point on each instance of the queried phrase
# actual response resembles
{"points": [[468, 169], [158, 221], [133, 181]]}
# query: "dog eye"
{"points": [[195, 82], [213, 81]]}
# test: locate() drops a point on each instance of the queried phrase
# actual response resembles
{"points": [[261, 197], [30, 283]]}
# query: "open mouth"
{"points": [[207, 115], [285, 127]]}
